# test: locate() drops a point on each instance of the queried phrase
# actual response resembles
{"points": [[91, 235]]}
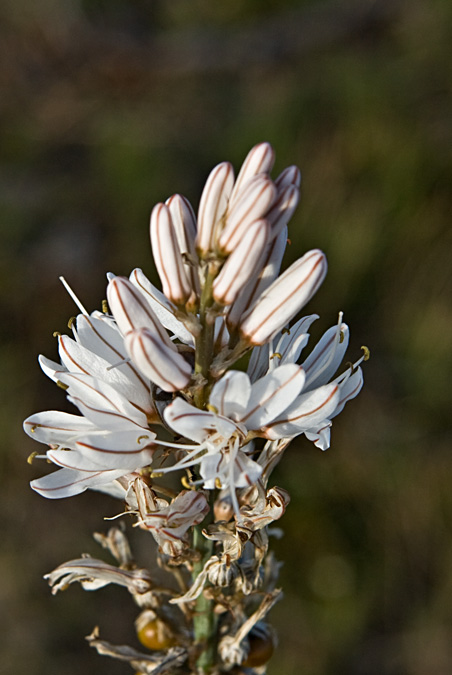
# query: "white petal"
{"points": [[349, 389], [55, 427], [260, 159], [244, 263], [213, 205], [167, 256], [80, 360], [102, 336], [307, 412], [164, 365], [122, 450], [321, 435], [66, 483], [295, 339], [74, 459], [326, 356], [161, 306], [51, 368], [272, 394], [284, 298], [192, 423], [259, 362], [252, 204], [231, 393], [101, 403]]}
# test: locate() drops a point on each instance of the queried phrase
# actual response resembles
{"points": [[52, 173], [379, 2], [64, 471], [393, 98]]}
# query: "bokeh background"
{"points": [[108, 106]]}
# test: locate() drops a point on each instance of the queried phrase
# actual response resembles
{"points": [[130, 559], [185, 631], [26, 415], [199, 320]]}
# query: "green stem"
{"points": [[204, 619]]}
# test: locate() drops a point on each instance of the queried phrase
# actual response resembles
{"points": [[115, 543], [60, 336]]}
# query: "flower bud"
{"points": [[284, 298], [130, 309], [213, 205], [242, 264], [255, 287], [283, 208], [290, 176], [167, 256], [160, 362], [252, 203], [260, 159], [184, 223]]}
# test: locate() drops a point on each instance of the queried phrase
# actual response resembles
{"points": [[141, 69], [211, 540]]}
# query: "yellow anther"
{"points": [[276, 355], [34, 427], [156, 474], [31, 457], [142, 438], [218, 484], [341, 337], [212, 408], [285, 331], [62, 385], [366, 351], [104, 306], [56, 333], [186, 483], [70, 323]]}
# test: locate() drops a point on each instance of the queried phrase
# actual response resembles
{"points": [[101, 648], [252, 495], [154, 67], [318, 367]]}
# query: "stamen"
{"points": [[119, 363], [31, 457], [276, 355], [366, 351], [56, 333], [73, 296], [71, 321], [104, 307], [61, 385]]}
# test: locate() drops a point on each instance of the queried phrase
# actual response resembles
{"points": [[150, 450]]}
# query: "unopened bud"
{"points": [[260, 159], [158, 360], [167, 256], [242, 264], [213, 205], [131, 310], [284, 298], [252, 203]]}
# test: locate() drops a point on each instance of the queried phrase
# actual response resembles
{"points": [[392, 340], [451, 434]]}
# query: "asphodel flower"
{"points": [[162, 358]]}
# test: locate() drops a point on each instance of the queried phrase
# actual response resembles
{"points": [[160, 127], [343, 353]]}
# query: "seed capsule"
{"points": [[156, 635], [261, 650]]}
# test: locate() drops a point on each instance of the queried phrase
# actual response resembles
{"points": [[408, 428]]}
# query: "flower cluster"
{"points": [[153, 380]]}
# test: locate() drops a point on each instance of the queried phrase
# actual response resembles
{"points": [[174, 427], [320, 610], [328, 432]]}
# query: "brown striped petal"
{"points": [[213, 205]]}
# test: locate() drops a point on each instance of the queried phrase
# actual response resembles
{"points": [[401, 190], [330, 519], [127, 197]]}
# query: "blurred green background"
{"points": [[108, 106]]}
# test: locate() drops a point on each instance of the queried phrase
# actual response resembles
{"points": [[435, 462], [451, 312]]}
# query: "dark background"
{"points": [[108, 106]]}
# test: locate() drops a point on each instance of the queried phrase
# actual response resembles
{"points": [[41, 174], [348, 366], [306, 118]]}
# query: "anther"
{"points": [[70, 323], [31, 457], [186, 483], [366, 351], [141, 438], [212, 408], [56, 334], [276, 355], [104, 307], [62, 385], [156, 474]]}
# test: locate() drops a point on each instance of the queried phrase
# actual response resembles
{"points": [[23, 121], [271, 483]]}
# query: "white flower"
{"points": [[321, 399], [223, 433]]}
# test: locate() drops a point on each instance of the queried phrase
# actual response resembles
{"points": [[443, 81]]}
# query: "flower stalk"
{"points": [[158, 391]]}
